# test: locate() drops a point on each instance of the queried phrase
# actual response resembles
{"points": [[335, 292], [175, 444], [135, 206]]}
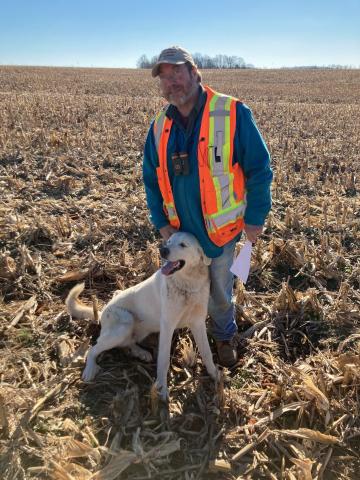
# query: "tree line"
{"points": [[202, 61]]}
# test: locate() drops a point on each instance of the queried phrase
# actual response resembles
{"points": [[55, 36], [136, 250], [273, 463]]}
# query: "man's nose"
{"points": [[168, 80], [164, 252]]}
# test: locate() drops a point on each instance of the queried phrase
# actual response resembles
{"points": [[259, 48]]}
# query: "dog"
{"points": [[175, 296]]}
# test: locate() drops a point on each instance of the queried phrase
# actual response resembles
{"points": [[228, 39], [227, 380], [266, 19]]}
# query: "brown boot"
{"points": [[227, 353]]}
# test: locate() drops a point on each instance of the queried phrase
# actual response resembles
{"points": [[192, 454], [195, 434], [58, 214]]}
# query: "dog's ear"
{"points": [[204, 258]]}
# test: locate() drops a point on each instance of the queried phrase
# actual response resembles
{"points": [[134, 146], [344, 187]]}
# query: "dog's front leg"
{"points": [[163, 362], [198, 329]]}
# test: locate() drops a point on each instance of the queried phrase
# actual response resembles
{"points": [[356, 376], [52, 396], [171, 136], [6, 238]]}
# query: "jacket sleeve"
{"points": [[153, 195], [251, 152]]}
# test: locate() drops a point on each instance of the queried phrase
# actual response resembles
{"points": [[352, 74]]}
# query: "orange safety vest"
{"points": [[222, 184]]}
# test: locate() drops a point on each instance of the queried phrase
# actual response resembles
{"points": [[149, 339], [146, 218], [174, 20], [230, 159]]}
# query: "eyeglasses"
{"points": [[175, 74]]}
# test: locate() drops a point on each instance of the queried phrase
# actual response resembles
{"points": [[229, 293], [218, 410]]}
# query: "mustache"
{"points": [[174, 90]]}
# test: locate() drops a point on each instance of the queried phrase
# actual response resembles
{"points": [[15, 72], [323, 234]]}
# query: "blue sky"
{"points": [[113, 33]]}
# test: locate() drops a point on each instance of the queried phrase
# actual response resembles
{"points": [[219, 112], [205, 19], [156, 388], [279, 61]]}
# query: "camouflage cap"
{"points": [[174, 55]]}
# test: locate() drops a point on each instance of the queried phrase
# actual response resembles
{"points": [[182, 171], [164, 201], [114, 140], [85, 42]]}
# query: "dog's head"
{"points": [[182, 252]]}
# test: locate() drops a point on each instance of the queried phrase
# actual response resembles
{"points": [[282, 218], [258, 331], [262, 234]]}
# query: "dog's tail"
{"points": [[75, 308]]}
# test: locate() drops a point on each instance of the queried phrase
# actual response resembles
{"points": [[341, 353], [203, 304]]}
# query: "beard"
{"points": [[180, 96]]}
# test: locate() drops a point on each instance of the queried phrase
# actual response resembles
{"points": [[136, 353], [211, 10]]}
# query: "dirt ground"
{"points": [[72, 208]]}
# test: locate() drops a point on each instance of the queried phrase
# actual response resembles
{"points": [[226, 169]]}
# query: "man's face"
{"points": [[177, 84]]}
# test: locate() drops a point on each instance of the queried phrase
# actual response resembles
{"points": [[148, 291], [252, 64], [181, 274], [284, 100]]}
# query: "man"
{"points": [[206, 171]]}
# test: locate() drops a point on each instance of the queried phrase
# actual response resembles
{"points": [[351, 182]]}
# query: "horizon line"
{"points": [[333, 66]]}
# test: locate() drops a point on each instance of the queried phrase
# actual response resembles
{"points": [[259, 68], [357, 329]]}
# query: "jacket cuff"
{"points": [[255, 217], [159, 222]]}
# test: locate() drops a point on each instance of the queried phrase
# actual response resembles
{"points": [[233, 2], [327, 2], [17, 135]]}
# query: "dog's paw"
{"points": [[164, 394], [90, 372], [214, 373], [146, 356], [140, 353], [163, 391]]}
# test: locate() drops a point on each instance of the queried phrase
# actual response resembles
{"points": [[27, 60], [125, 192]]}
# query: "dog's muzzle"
{"points": [[171, 267], [164, 252]]}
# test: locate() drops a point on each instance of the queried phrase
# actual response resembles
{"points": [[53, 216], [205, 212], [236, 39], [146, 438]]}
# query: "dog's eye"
{"points": [[183, 245]]}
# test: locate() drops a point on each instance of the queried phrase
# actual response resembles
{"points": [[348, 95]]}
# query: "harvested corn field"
{"points": [[73, 209]]}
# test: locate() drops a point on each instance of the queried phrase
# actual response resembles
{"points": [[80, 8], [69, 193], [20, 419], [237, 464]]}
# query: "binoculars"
{"points": [[180, 161]]}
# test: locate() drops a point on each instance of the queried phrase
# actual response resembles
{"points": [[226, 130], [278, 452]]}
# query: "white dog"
{"points": [[175, 296]]}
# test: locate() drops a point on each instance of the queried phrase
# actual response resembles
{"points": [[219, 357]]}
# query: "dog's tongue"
{"points": [[169, 267]]}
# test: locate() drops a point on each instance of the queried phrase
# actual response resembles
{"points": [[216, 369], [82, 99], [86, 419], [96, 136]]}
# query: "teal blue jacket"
{"points": [[250, 152]]}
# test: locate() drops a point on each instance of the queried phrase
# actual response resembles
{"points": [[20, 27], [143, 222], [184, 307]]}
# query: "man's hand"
{"points": [[253, 231], [167, 231]]}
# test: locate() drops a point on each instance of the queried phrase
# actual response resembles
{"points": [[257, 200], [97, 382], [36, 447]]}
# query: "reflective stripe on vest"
{"points": [[162, 127], [222, 185]]}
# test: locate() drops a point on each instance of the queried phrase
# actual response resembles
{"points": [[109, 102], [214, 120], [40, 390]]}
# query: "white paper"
{"points": [[241, 264]]}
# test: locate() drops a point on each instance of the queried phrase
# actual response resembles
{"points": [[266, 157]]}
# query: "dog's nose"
{"points": [[164, 252]]}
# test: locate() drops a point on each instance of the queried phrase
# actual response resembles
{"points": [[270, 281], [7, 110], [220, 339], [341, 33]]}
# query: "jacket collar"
{"points": [[173, 113]]}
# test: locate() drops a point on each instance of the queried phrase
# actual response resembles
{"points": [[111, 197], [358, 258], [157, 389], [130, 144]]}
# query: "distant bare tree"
{"points": [[199, 59], [220, 61], [202, 61], [143, 62], [208, 62], [153, 60]]}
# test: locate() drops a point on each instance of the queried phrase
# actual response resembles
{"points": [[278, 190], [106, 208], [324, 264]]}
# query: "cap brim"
{"points": [[156, 67]]}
